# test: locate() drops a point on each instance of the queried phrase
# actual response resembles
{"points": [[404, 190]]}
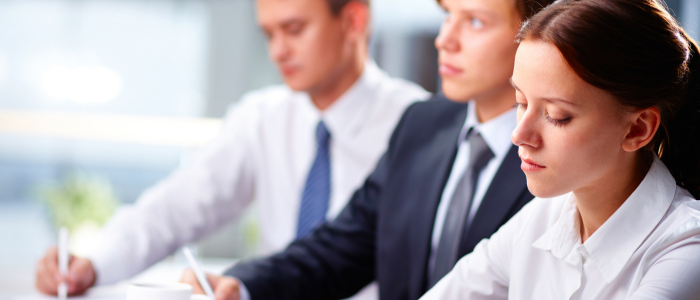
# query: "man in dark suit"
{"points": [[449, 179], [385, 231]]}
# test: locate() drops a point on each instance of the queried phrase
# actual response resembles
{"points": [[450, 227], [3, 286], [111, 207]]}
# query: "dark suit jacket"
{"points": [[385, 231]]}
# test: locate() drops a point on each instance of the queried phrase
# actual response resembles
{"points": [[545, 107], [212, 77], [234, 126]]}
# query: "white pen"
{"points": [[197, 268], [63, 261]]}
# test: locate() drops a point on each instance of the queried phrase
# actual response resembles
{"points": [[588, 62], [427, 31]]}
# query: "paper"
{"points": [[85, 297]]}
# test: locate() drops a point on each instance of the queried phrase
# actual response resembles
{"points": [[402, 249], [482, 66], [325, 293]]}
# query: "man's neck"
{"points": [[494, 103], [328, 92]]}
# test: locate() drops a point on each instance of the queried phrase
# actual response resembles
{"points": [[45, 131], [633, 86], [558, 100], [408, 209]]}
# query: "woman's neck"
{"points": [[597, 202]]}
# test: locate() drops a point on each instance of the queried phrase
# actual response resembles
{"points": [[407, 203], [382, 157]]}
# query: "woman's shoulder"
{"points": [[681, 224], [688, 209], [684, 213]]}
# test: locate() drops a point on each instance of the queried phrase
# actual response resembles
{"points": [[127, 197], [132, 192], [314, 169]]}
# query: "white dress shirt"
{"points": [[264, 152], [648, 249], [496, 134]]}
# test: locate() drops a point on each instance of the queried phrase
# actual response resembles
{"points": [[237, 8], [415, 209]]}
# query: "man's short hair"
{"points": [[526, 8], [338, 5]]}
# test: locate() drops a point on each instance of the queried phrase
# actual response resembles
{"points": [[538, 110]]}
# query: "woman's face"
{"points": [[570, 133], [476, 46]]}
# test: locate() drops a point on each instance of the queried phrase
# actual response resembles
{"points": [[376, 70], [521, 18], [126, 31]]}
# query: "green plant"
{"points": [[80, 198]]}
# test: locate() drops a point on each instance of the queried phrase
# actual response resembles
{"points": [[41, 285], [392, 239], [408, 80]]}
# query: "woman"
{"points": [[608, 133]]}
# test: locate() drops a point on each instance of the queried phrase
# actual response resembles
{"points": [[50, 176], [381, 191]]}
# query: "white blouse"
{"points": [[648, 249]]}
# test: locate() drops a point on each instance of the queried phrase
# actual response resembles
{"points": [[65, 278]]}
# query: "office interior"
{"points": [[104, 98]]}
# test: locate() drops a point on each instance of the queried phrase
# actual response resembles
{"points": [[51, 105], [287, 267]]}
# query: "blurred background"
{"points": [[100, 99]]}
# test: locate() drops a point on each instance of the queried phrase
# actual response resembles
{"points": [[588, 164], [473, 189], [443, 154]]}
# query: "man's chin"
{"points": [[297, 84], [456, 93]]}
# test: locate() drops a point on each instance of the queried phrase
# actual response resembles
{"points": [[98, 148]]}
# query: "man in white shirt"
{"points": [[300, 150], [450, 178]]}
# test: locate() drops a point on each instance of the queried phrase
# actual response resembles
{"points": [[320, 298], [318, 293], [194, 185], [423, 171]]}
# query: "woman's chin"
{"points": [[542, 189]]}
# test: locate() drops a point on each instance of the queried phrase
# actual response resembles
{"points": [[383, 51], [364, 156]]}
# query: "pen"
{"points": [[197, 268], [63, 261]]}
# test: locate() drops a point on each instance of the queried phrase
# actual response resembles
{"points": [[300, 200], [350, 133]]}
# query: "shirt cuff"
{"points": [[242, 290], [108, 268]]}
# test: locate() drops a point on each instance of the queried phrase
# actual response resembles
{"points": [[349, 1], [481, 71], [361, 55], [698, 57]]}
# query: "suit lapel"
{"points": [[436, 162], [507, 186]]}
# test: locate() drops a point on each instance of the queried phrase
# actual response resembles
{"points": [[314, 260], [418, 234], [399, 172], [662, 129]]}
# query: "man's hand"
{"points": [[81, 274], [225, 288]]}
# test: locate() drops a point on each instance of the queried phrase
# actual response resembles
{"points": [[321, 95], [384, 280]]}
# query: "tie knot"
{"points": [[480, 153], [322, 134]]}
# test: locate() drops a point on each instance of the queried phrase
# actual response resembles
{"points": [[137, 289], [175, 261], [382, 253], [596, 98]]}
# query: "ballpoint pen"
{"points": [[197, 268], [63, 261]]}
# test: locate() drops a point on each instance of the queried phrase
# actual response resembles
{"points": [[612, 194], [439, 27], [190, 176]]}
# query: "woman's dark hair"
{"points": [[635, 50]]}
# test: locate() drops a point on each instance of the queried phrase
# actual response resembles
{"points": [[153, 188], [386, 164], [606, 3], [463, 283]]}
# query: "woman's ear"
{"points": [[642, 128]]}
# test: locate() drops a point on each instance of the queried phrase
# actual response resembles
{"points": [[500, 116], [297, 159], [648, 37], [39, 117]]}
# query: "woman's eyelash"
{"points": [[557, 122]]}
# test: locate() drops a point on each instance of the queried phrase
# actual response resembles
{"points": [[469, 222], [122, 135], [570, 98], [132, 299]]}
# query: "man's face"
{"points": [[306, 42], [477, 47]]}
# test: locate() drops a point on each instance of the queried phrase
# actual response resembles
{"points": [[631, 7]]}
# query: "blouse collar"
{"points": [[614, 243]]}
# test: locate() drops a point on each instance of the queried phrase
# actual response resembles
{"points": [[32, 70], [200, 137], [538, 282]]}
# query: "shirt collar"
{"points": [[614, 243], [345, 116], [496, 132]]}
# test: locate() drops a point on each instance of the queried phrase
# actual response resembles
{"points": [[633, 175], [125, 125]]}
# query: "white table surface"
{"points": [[25, 234], [17, 283]]}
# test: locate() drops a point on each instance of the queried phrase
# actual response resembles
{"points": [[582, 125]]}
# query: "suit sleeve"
{"points": [[484, 274], [336, 260]]}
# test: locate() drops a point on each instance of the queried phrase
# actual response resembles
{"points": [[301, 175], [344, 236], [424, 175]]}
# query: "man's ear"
{"points": [[356, 18], [642, 128]]}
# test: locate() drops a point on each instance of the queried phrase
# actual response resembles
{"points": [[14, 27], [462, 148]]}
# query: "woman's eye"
{"points": [[557, 122], [476, 23], [520, 105]]}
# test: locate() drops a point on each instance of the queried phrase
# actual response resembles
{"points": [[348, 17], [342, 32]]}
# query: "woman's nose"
{"points": [[525, 134]]}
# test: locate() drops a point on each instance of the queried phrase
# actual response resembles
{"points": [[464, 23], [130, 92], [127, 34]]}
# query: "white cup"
{"points": [[159, 291]]}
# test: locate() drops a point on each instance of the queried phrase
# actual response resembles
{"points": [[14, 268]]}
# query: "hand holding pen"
{"points": [[214, 286], [80, 276]]}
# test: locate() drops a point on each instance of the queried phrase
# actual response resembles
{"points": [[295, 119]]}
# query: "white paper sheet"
{"points": [[85, 297]]}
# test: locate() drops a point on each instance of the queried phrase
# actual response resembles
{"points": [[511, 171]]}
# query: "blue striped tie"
{"points": [[317, 191]]}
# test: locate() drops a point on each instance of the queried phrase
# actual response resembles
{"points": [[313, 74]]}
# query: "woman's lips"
{"points": [[530, 166], [447, 70]]}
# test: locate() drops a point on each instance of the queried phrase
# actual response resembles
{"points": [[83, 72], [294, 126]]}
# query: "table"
{"points": [[22, 286]]}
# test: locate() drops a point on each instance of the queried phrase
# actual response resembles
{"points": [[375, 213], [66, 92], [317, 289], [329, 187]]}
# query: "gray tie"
{"points": [[448, 247]]}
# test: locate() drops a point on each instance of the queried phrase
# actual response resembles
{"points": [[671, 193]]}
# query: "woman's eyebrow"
{"points": [[548, 99], [551, 99]]}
